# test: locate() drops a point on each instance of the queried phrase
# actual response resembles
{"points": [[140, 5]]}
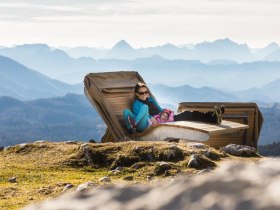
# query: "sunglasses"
{"points": [[142, 93]]}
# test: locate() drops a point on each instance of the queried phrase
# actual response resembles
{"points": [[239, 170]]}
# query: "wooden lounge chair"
{"points": [[112, 92]]}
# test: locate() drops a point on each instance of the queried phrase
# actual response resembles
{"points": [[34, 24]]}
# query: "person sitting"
{"points": [[146, 112]]}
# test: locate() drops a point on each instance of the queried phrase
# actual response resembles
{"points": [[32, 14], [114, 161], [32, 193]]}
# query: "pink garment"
{"points": [[170, 119]]}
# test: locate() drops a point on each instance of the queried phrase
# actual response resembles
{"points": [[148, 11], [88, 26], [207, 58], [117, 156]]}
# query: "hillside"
{"points": [[62, 118], [40, 170], [23, 83]]}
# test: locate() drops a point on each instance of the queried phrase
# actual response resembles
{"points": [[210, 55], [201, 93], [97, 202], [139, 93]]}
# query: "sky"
{"points": [[142, 23]]}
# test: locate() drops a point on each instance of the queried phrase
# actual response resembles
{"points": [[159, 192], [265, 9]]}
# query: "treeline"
{"points": [[270, 149]]}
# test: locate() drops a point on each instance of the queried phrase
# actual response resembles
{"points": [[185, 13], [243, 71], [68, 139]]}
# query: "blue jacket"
{"points": [[136, 106]]}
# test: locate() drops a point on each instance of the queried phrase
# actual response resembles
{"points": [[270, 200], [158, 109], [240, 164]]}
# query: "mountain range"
{"points": [[221, 49], [221, 73], [19, 82]]}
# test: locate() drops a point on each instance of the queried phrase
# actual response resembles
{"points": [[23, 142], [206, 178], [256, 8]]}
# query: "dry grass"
{"points": [[42, 170]]}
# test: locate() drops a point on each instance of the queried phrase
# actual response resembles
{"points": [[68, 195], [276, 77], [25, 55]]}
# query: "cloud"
{"points": [[60, 10], [107, 21]]}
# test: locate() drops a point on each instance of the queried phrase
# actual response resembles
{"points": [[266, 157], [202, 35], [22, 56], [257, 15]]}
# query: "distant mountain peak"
{"points": [[122, 45], [223, 42], [169, 46], [272, 45], [38, 45], [226, 41]]}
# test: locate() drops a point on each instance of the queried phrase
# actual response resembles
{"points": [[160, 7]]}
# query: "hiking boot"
{"points": [[132, 130], [218, 114], [131, 122]]}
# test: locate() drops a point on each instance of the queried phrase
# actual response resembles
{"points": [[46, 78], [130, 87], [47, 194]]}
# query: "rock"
{"points": [[83, 146], [167, 173], [136, 149], [193, 161], [12, 179], [45, 191], [173, 146], [85, 149], [115, 171], [71, 142], [105, 179], [150, 157], [1, 149], [149, 178], [128, 178], [170, 154], [233, 186], [199, 162], [92, 141], [67, 187], [120, 168], [39, 142], [23, 145], [240, 150], [7, 148], [136, 166], [125, 160], [212, 155], [85, 186], [198, 145], [161, 167], [204, 171], [171, 139]]}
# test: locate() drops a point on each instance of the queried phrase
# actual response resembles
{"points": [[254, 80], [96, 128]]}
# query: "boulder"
{"points": [[240, 150]]}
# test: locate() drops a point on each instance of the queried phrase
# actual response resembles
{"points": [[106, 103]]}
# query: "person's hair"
{"points": [[138, 86]]}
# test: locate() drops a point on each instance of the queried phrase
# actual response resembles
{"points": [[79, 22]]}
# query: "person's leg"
{"points": [[143, 124], [127, 114], [196, 116], [142, 113], [142, 119]]}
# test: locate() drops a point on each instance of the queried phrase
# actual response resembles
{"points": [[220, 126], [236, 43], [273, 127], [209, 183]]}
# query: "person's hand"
{"points": [[153, 120]]}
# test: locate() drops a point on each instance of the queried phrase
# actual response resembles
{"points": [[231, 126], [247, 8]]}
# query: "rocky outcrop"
{"points": [[232, 186], [240, 150]]}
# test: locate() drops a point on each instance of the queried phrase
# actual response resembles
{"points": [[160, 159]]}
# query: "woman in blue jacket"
{"points": [[145, 107]]}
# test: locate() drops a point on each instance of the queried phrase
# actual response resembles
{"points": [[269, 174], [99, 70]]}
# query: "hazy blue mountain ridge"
{"points": [[220, 72], [206, 51], [261, 54], [20, 82], [51, 62], [175, 95], [71, 117]]}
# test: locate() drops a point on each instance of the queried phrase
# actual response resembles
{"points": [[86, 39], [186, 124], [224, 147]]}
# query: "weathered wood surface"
{"points": [[189, 130]]}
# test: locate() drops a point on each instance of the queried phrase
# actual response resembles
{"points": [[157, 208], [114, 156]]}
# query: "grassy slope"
{"points": [[43, 169]]}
